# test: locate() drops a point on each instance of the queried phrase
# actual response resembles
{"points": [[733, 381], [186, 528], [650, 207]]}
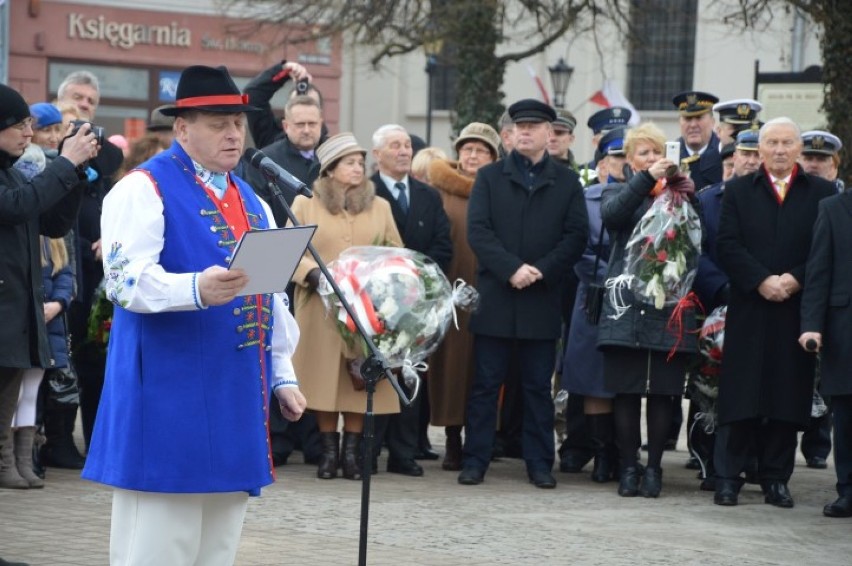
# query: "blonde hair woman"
{"points": [[636, 345]]}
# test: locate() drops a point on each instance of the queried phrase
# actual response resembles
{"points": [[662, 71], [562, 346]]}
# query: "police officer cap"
{"points": [[694, 103], [747, 140], [819, 142], [531, 110], [612, 142], [739, 111], [608, 119], [727, 150]]}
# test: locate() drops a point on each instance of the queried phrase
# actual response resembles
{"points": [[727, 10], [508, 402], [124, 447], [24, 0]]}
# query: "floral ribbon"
{"points": [[464, 297], [615, 287], [675, 323], [410, 371], [358, 298]]}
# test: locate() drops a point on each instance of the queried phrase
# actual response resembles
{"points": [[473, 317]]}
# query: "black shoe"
{"points": [[542, 479], [471, 476], [572, 462], [778, 494], [628, 484], [426, 454], [817, 463], [652, 482], [693, 463], [840, 508], [727, 493], [405, 467], [708, 484]]}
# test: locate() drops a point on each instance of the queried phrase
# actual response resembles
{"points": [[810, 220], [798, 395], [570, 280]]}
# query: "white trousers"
{"points": [[175, 529]]}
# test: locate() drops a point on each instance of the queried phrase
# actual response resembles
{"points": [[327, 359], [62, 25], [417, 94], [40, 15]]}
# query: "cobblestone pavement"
{"points": [[433, 521]]}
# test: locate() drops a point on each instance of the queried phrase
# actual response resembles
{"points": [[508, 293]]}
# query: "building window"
{"points": [[444, 80], [661, 59]]}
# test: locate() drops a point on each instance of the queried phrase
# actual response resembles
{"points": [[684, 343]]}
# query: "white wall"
{"points": [[724, 66]]}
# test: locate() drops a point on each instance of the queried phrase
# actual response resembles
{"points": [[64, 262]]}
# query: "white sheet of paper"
{"points": [[269, 257]]}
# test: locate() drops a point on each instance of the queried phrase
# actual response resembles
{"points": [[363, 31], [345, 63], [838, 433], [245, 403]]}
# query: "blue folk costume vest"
{"points": [[185, 398]]}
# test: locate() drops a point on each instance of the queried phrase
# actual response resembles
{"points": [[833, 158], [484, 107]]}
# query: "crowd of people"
{"points": [[118, 301]]}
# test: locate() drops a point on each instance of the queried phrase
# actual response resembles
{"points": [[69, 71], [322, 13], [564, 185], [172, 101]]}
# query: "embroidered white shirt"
{"points": [[132, 231]]}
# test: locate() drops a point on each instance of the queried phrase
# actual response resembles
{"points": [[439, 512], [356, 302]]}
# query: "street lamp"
{"points": [[432, 47], [560, 75]]}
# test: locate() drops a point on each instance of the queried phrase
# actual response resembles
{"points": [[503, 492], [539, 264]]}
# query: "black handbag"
{"points": [[593, 303]]}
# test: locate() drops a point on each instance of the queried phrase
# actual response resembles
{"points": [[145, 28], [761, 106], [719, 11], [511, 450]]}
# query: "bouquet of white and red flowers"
{"points": [[402, 299], [704, 381], [662, 252]]}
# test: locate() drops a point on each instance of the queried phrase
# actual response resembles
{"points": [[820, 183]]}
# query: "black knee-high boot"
{"points": [[601, 432], [351, 458], [327, 468]]}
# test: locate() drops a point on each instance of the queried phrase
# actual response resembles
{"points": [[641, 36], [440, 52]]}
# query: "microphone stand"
{"points": [[372, 370]]}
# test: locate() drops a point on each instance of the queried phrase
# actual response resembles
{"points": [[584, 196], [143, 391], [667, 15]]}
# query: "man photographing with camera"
{"points": [[81, 90]]}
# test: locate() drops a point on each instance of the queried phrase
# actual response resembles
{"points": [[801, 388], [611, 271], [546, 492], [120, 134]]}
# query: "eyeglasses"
{"points": [[24, 124], [474, 151]]}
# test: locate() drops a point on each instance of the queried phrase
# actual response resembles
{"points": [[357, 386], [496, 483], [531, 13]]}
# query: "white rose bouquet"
{"points": [[402, 299]]}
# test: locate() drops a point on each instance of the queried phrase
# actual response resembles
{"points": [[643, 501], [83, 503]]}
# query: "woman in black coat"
{"points": [[636, 345]]}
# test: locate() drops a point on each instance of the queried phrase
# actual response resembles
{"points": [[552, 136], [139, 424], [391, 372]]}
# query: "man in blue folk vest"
{"points": [[181, 432]]}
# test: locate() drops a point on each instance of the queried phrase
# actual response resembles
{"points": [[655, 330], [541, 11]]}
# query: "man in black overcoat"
{"points": [[527, 225], [827, 320], [766, 383], [424, 226]]}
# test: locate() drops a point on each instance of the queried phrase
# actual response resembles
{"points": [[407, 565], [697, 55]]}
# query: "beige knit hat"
{"points": [[336, 147], [480, 132]]}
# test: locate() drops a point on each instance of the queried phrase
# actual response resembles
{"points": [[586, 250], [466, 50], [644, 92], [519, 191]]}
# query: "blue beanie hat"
{"points": [[45, 115]]}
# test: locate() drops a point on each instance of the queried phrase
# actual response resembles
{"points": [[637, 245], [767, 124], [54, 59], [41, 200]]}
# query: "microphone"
{"points": [[274, 172], [811, 345]]}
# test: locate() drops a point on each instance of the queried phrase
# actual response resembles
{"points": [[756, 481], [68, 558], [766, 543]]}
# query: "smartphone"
{"points": [[673, 152]]}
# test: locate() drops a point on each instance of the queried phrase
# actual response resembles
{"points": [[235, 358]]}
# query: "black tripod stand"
{"points": [[372, 370]]}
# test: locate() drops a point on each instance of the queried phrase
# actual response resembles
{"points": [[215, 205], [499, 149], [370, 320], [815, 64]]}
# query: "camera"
{"points": [[97, 130], [302, 86]]}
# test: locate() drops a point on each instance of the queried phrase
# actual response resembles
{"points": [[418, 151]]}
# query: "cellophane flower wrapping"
{"points": [[704, 381], [662, 252], [402, 298]]}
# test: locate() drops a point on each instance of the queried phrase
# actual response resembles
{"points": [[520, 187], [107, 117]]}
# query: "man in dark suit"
{"points": [[294, 151], [419, 215], [527, 225], [711, 282], [699, 145], [827, 321], [81, 90], [820, 156], [766, 383]]}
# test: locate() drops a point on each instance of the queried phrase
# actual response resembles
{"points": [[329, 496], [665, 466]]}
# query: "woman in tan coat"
{"points": [[451, 371], [347, 213]]}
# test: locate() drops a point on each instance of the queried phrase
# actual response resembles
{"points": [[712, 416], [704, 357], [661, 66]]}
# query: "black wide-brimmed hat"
{"points": [[208, 89]]}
